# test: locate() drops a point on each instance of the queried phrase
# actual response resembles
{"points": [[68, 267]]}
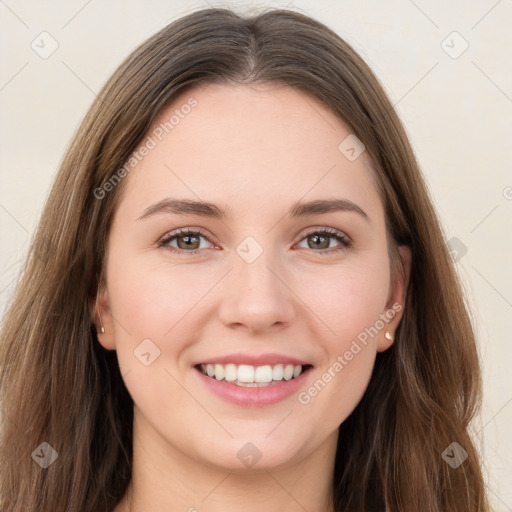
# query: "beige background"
{"points": [[457, 110]]}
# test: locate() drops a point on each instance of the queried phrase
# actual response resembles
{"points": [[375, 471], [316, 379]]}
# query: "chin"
{"points": [[252, 454]]}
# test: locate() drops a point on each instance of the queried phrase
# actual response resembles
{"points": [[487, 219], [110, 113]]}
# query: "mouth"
{"points": [[244, 375]]}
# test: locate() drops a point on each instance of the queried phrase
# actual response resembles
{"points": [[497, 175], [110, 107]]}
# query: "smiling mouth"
{"points": [[252, 376]]}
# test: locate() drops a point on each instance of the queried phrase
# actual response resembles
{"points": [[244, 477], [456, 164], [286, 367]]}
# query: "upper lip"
{"points": [[254, 360]]}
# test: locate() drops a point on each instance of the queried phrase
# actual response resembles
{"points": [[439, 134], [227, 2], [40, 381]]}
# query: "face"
{"points": [[251, 280]]}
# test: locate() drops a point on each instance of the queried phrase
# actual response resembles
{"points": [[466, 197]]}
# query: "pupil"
{"points": [[187, 240], [319, 238]]}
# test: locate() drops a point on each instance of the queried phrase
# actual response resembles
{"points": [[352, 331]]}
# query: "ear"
{"points": [[396, 300], [100, 311]]}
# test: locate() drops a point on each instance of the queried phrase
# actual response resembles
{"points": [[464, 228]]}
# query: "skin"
{"points": [[256, 150]]}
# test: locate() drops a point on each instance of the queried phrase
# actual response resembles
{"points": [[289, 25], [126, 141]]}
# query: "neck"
{"points": [[166, 479]]}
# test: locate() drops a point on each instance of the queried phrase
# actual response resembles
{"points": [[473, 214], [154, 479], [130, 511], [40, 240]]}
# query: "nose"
{"points": [[256, 297]]}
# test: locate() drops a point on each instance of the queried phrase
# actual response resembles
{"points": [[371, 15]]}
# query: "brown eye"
{"points": [[187, 241], [320, 241]]}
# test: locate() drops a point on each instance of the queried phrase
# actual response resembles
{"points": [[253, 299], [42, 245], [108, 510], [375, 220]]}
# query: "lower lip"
{"points": [[254, 397]]}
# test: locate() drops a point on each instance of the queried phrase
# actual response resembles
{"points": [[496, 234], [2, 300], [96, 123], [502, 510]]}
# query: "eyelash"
{"points": [[344, 242]]}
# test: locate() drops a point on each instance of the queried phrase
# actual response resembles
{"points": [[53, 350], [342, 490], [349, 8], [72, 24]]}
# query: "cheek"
{"points": [[151, 297], [349, 303], [155, 303], [339, 386], [346, 299], [343, 376]]}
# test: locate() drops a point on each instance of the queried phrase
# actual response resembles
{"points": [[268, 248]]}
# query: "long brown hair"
{"points": [[59, 386]]}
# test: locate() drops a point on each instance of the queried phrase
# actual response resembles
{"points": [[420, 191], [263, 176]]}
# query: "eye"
{"points": [[320, 240], [189, 241], [186, 239]]}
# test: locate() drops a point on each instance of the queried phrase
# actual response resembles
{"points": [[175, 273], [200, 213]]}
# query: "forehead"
{"points": [[250, 148]]}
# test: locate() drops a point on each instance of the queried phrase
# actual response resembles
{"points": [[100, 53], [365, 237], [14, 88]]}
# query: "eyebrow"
{"points": [[206, 209]]}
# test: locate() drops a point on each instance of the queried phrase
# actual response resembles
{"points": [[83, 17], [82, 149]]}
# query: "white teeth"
{"points": [[277, 372], [246, 373], [251, 376], [263, 374], [288, 372], [219, 372], [255, 384], [230, 373]]}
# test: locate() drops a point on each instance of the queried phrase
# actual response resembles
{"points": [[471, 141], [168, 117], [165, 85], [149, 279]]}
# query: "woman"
{"points": [[239, 295]]}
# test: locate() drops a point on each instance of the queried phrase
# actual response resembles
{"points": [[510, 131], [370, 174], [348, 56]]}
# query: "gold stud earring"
{"points": [[388, 336]]}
